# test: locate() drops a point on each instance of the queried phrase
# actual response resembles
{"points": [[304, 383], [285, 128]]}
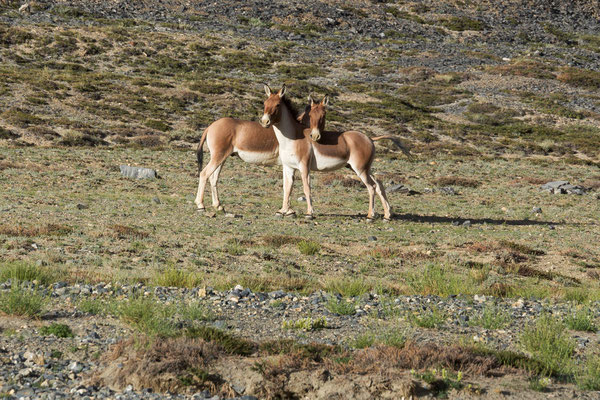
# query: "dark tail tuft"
{"points": [[200, 152]]}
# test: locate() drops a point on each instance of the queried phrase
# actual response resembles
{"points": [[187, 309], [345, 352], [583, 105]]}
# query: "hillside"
{"points": [[497, 78], [485, 284]]}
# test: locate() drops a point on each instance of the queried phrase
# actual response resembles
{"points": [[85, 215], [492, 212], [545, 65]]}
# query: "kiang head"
{"points": [[317, 117], [273, 107]]}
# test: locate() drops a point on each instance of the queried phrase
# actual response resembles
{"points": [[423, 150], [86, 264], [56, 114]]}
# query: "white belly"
{"points": [[255, 157], [320, 162]]}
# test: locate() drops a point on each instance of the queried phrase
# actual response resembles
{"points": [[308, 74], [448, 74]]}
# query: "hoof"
{"points": [[289, 213], [309, 217], [201, 209], [220, 208], [386, 220], [369, 220]]}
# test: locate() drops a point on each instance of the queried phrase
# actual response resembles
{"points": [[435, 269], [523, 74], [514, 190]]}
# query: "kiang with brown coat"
{"points": [[314, 149]]}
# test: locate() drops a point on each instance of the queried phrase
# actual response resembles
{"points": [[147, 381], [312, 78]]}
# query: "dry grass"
{"points": [[456, 181], [125, 232], [344, 180], [419, 357], [164, 365], [5, 164], [280, 240], [34, 231]]}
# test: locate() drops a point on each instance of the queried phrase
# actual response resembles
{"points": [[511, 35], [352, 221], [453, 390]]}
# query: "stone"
{"points": [[562, 187], [156, 200], [81, 206], [25, 8], [372, 238], [138, 172], [536, 210], [397, 188], [448, 191], [76, 367], [467, 223]]}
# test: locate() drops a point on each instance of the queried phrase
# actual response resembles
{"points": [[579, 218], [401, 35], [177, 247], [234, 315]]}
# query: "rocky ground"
{"points": [[494, 99], [36, 364]]}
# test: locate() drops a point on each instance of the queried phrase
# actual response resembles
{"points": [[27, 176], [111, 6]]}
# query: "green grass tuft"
{"points": [[491, 318], [230, 344], [58, 330], [430, 318], [340, 307], [24, 271], [21, 301], [548, 342], [309, 247], [581, 320]]}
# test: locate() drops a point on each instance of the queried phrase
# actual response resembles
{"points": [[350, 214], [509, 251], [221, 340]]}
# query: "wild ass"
{"points": [[333, 150], [252, 143]]}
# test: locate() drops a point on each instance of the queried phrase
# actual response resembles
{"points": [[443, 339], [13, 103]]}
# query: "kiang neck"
{"points": [[285, 129]]}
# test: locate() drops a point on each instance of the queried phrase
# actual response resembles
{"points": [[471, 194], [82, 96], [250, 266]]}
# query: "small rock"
{"points": [[25, 8], [448, 191], [156, 200], [81, 206], [76, 367], [137, 172], [518, 304], [479, 299], [467, 223], [301, 198], [536, 210], [372, 238]]}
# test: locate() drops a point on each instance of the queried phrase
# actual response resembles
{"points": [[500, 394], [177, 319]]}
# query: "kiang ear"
{"points": [[325, 100], [311, 100], [282, 91], [267, 90]]}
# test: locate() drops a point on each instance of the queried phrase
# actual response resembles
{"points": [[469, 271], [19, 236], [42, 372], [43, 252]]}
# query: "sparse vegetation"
{"points": [[22, 301], [309, 247], [58, 330], [340, 306], [581, 320], [81, 94], [549, 343], [491, 318], [306, 324], [430, 318]]}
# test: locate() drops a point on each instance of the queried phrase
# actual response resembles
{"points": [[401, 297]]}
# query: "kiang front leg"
{"points": [[288, 183]]}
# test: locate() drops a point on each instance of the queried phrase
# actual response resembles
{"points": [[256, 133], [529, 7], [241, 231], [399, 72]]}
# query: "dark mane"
{"points": [[291, 107]]}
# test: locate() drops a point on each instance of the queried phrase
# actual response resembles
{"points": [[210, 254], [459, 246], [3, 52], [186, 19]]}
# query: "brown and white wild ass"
{"points": [[252, 143], [333, 150]]}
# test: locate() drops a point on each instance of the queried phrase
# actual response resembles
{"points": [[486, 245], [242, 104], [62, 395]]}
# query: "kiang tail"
{"points": [[199, 152]]}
